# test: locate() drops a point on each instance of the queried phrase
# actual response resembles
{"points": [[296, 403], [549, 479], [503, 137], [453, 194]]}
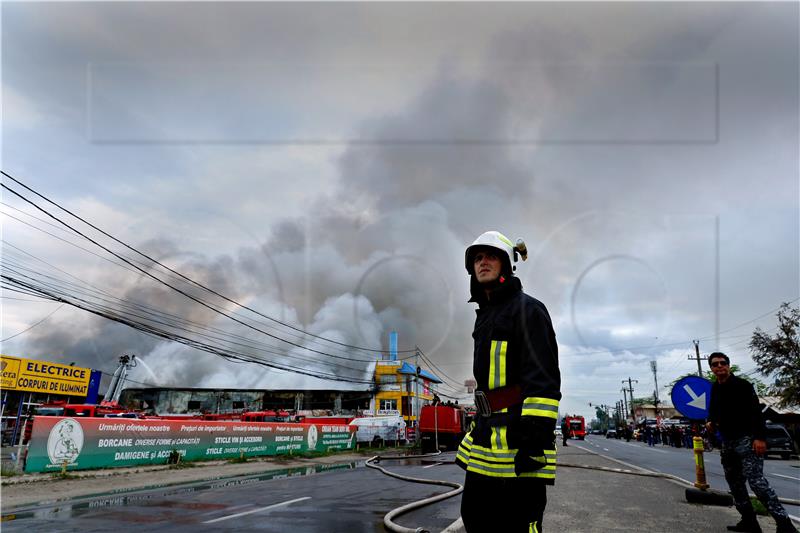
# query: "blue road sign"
{"points": [[691, 396]]}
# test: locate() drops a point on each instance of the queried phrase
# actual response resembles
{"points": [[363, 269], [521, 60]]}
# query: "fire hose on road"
{"points": [[388, 520]]}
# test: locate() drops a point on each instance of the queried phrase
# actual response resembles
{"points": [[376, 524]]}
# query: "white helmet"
{"points": [[497, 240]]}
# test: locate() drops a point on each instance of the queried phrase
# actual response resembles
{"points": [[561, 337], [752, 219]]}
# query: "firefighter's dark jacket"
{"points": [[514, 345]]}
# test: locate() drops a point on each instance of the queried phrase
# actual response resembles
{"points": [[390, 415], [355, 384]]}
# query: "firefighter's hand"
{"points": [[536, 435], [529, 460], [759, 447]]}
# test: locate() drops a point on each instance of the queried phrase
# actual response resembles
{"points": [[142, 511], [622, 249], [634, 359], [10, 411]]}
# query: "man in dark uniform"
{"points": [[734, 410], [564, 432], [509, 453]]}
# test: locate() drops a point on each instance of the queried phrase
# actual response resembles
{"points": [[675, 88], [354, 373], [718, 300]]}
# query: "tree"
{"points": [[780, 355], [602, 416], [650, 400]]}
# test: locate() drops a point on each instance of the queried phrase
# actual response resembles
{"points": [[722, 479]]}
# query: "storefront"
{"points": [[29, 383], [400, 391]]}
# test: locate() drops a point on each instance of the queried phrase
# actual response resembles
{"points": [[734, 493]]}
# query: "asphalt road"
{"points": [[783, 475], [349, 498]]}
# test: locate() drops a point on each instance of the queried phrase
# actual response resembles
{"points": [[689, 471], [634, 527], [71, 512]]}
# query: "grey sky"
{"points": [[328, 163]]}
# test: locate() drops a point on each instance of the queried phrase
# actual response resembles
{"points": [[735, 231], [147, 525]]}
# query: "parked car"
{"points": [[558, 432], [612, 434], [779, 442]]}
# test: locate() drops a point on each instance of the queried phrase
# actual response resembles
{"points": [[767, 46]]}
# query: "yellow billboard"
{"points": [[33, 375]]}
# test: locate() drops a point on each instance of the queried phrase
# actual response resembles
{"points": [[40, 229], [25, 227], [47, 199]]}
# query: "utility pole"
{"points": [[630, 390], [625, 401], [415, 406], [697, 356], [655, 393]]}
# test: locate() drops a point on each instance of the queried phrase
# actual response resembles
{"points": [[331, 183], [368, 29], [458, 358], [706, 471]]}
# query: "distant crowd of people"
{"points": [[674, 436]]}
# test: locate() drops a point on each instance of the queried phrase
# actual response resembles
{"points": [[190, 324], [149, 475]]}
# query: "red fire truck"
{"points": [[443, 423], [577, 427]]}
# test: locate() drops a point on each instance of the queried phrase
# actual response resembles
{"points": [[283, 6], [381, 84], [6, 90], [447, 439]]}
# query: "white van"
{"points": [[380, 429]]}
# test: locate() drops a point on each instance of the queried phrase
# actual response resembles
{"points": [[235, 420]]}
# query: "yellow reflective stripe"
{"points": [[495, 469], [464, 456], [504, 239], [538, 406], [483, 472], [506, 469], [496, 455], [506, 454], [540, 412], [533, 528], [492, 360], [538, 474], [489, 458], [497, 364], [481, 462], [503, 433], [502, 364], [542, 399], [499, 463]]}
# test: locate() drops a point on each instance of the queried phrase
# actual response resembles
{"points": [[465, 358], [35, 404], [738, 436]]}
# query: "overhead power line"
{"points": [[155, 261], [65, 288], [51, 313], [142, 317], [178, 290], [759, 317]]}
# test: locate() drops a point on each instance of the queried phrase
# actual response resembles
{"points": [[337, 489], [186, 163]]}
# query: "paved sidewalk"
{"points": [[587, 500]]}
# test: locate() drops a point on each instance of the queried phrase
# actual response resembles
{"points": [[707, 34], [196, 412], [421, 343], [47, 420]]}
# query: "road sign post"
{"points": [[699, 464], [691, 397]]}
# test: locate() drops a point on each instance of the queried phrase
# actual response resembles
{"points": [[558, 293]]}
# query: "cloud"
{"points": [[19, 112], [611, 137]]}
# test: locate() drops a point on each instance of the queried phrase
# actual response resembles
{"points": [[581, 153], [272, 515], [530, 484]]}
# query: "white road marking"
{"points": [[605, 449], [434, 464], [651, 448], [787, 477], [654, 449], [228, 508], [257, 510]]}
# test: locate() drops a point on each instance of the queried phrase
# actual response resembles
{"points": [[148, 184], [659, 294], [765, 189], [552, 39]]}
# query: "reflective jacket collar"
{"points": [[501, 293]]}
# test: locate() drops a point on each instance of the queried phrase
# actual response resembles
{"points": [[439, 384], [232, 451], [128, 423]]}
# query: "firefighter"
{"points": [[509, 453]]}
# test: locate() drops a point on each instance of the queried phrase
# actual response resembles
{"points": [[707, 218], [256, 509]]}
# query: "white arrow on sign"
{"points": [[697, 401]]}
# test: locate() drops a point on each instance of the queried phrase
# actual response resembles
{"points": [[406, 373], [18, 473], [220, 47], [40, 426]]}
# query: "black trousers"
{"points": [[507, 505]]}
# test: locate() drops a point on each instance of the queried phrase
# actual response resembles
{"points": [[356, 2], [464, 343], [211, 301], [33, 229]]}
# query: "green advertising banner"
{"points": [[84, 443]]}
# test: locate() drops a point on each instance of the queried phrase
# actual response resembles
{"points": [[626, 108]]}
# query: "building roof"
{"points": [[771, 402], [408, 369]]}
